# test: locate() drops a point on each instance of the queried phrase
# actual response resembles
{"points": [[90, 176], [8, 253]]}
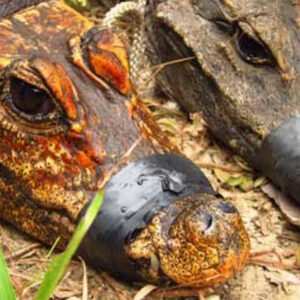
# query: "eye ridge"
{"points": [[29, 100], [225, 26]]}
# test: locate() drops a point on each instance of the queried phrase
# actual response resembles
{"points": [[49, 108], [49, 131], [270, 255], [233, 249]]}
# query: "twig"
{"points": [[192, 292], [85, 288], [23, 251]]}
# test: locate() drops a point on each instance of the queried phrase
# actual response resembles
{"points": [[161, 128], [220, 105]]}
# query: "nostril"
{"points": [[132, 235], [206, 222], [227, 208]]}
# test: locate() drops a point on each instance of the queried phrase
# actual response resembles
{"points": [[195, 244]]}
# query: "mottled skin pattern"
{"points": [[190, 254], [59, 160], [83, 124]]}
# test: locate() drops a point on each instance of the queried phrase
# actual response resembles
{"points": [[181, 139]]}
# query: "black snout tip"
{"points": [[279, 157]]}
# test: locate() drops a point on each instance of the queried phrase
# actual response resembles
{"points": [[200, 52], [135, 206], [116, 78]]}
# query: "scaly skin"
{"points": [[238, 63], [189, 251], [58, 163], [55, 156], [243, 99]]}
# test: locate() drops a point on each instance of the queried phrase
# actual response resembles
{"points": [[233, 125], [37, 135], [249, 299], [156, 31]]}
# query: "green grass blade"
{"points": [[50, 252], [58, 265], [6, 288]]}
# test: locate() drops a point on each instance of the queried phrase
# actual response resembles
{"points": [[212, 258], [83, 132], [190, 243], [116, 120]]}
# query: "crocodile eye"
{"points": [[252, 50], [30, 100]]}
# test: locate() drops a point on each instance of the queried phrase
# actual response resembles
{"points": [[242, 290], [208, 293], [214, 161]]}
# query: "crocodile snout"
{"points": [[279, 157], [161, 221]]}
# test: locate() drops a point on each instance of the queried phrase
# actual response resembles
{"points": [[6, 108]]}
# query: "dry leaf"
{"points": [[281, 276], [145, 291], [222, 175], [259, 182], [247, 183], [232, 181], [288, 207]]}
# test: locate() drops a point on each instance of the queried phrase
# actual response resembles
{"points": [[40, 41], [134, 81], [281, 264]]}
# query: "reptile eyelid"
{"points": [[60, 85], [29, 99], [210, 10], [24, 71]]}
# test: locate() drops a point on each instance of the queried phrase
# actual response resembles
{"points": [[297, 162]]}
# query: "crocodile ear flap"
{"points": [[106, 54]]}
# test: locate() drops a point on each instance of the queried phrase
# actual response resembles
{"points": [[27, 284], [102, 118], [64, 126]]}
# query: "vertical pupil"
{"points": [[29, 99]]}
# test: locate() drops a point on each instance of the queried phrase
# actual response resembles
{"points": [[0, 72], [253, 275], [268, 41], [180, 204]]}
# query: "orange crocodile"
{"points": [[69, 122]]}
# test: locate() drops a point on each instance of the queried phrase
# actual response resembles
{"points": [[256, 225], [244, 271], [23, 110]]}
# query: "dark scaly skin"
{"points": [[252, 97], [52, 165], [241, 69]]}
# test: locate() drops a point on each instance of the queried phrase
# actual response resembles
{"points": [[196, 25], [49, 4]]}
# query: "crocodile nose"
{"points": [[207, 222], [279, 157], [200, 223], [132, 197]]}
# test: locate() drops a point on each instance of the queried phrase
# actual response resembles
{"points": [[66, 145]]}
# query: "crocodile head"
{"points": [[239, 63], [63, 127], [69, 121]]}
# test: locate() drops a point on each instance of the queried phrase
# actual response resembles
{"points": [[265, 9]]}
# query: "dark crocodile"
{"points": [[242, 72], [70, 122]]}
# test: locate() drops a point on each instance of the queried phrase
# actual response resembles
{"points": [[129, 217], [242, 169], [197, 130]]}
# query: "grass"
{"points": [[6, 288], [58, 265]]}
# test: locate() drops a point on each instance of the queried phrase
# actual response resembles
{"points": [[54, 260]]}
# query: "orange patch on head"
{"points": [[82, 159], [59, 83], [109, 60]]}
